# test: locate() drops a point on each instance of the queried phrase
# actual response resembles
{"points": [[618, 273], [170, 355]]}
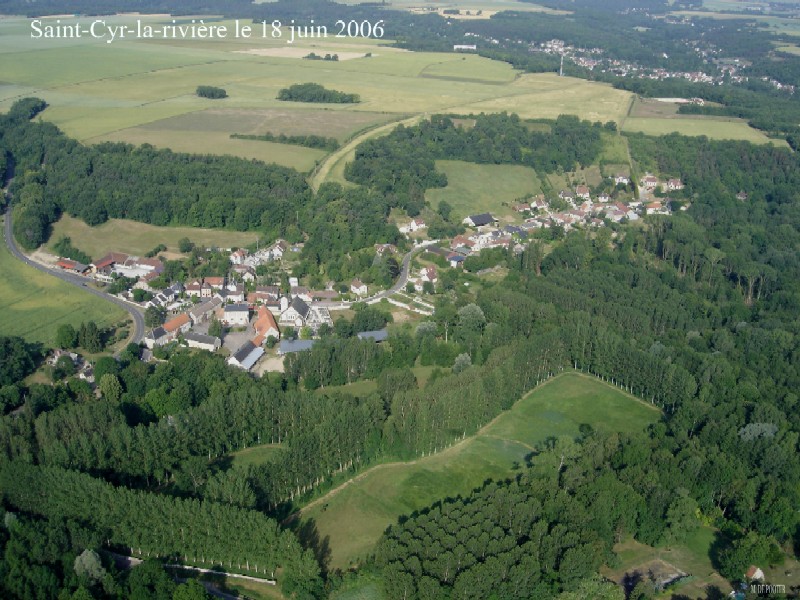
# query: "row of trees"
{"points": [[150, 524], [309, 141]]}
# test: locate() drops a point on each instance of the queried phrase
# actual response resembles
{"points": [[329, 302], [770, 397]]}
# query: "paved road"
{"points": [[76, 280]]}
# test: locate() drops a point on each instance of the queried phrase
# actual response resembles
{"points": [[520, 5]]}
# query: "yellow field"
{"points": [[138, 238]]}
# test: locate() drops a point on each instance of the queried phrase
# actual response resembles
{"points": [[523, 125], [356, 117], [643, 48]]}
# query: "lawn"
{"points": [[473, 188], [355, 517], [137, 238], [34, 304]]}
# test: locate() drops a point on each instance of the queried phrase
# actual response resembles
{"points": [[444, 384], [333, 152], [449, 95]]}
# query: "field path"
{"points": [[348, 150]]}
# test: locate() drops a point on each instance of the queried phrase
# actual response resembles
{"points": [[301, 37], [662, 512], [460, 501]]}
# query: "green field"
{"points": [[718, 129], [355, 516], [34, 304], [473, 188], [132, 237]]}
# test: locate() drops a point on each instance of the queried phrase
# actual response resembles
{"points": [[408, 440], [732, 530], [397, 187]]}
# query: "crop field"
{"points": [[339, 124], [212, 128], [34, 304], [471, 5], [144, 90], [355, 516], [473, 188], [137, 238]]}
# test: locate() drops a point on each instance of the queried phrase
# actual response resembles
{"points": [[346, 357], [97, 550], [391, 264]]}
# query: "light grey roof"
{"points": [[379, 335], [288, 346]]}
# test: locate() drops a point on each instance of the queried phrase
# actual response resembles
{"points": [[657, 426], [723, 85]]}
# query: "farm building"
{"points": [[246, 356], [203, 342]]}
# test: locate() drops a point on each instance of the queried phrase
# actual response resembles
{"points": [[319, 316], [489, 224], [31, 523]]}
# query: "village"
{"points": [[246, 320]]}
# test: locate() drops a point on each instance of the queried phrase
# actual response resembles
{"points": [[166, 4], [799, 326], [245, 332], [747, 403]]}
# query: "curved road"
{"points": [[398, 286], [76, 280]]}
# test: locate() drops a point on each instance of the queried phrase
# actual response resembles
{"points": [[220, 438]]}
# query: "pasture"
{"points": [[355, 516], [34, 304], [473, 188], [137, 238]]}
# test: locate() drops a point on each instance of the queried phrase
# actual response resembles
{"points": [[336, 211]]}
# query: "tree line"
{"points": [[309, 141]]}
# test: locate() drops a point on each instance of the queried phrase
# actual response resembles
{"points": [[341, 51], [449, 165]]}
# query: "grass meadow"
{"points": [[355, 516], [34, 304], [473, 188], [137, 238]]}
